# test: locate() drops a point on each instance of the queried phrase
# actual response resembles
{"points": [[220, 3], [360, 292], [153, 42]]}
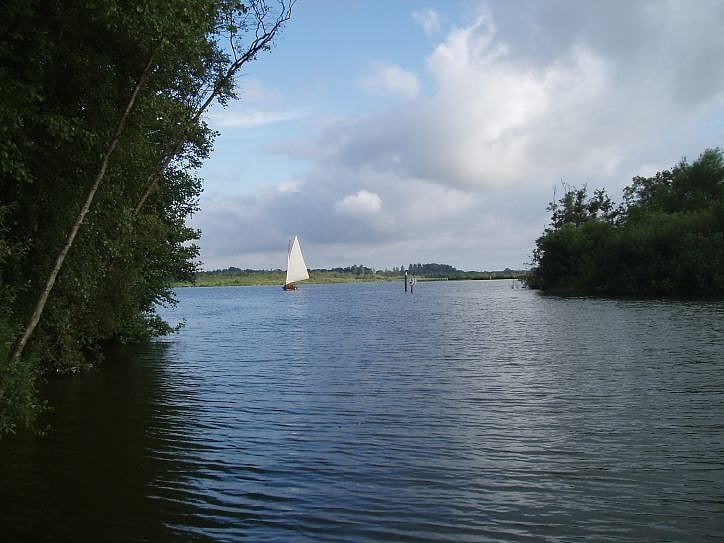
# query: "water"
{"points": [[466, 411]]}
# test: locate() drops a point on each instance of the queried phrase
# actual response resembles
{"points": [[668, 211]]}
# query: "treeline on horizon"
{"points": [[237, 276], [665, 238]]}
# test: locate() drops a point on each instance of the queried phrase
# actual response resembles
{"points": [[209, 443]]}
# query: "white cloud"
{"points": [[287, 187], [391, 79], [498, 119], [239, 117], [360, 204], [258, 105], [429, 20]]}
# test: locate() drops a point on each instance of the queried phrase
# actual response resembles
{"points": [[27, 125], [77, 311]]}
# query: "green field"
{"points": [[275, 277], [354, 274]]}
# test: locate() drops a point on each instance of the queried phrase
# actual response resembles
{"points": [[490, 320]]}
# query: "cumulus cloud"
{"points": [[497, 119], [391, 79], [394, 220], [522, 96], [360, 204]]}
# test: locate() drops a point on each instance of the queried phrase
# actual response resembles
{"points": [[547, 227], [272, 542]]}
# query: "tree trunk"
{"points": [[50, 282]]}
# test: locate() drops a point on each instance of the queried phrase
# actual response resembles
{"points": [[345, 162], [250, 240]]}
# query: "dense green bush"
{"points": [[101, 131], [666, 238]]}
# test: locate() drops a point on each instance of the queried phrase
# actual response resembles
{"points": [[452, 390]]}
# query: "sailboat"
{"points": [[296, 268]]}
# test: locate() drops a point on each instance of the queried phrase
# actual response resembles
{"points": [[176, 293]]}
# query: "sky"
{"points": [[386, 133]]}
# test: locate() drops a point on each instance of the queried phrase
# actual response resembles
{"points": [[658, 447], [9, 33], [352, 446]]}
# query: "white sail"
{"points": [[296, 268]]}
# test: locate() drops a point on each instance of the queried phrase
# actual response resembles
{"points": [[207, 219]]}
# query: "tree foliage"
{"points": [[432, 270], [667, 237], [106, 95]]}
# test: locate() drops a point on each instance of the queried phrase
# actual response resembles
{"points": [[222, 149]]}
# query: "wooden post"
{"points": [[405, 280]]}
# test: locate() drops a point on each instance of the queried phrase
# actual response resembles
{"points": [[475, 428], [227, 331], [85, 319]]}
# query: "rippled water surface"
{"points": [[467, 411]]}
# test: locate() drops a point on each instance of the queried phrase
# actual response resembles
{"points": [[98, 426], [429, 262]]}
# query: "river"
{"points": [[466, 411]]}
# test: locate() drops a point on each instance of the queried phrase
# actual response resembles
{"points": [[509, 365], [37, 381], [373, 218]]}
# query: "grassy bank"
{"points": [[276, 277], [238, 277]]}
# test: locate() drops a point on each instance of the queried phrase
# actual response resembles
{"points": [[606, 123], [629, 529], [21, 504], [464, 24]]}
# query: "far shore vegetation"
{"points": [[351, 274]]}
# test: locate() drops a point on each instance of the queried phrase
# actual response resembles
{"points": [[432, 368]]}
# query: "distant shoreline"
{"points": [[237, 277]]}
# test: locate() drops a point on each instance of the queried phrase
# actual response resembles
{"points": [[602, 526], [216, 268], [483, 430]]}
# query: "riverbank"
{"points": [[237, 277]]}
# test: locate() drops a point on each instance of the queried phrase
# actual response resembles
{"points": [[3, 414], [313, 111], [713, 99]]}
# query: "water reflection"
{"points": [[112, 435], [464, 412]]}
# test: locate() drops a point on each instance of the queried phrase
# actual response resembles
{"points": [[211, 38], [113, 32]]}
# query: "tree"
{"points": [[100, 131], [666, 238], [50, 281]]}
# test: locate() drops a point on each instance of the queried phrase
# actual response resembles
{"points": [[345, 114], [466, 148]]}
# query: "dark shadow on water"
{"points": [[96, 473]]}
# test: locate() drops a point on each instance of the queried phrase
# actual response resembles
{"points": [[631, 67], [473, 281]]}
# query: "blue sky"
{"points": [[387, 133]]}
